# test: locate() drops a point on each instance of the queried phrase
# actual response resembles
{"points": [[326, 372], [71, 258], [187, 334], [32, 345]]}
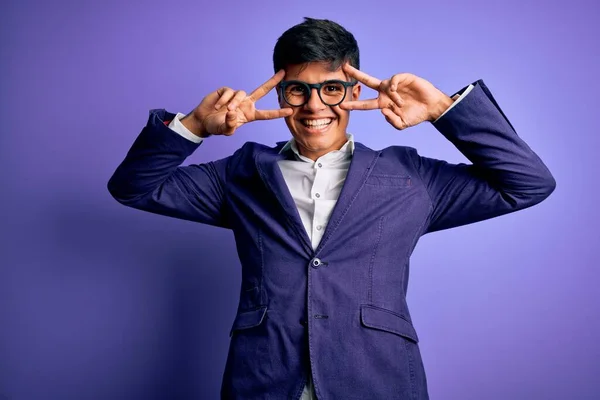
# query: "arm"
{"points": [[150, 177], [505, 174]]}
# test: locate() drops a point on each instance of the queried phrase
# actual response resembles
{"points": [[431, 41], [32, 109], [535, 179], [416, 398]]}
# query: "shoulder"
{"points": [[244, 158], [250, 150], [393, 155]]}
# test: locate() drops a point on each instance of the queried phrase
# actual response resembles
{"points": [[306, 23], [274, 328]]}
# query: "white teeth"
{"points": [[317, 122]]}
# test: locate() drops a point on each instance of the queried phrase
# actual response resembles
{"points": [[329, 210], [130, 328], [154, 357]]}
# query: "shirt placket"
{"points": [[319, 196]]}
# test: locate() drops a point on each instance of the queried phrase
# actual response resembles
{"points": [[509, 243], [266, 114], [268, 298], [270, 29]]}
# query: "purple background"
{"points": [[98, 301]]}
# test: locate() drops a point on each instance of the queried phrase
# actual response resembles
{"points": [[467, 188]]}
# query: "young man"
{"points": [[325, 226]]}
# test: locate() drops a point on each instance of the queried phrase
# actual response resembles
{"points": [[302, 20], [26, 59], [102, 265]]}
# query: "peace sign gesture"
{"points": [[225, 110], [405, 99]]}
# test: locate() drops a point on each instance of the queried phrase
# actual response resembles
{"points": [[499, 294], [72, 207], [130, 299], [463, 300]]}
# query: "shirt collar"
{"points": [[347, 150]]}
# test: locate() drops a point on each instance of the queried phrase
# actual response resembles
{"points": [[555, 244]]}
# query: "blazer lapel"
{"points": [[360, 168], [270, 173]]}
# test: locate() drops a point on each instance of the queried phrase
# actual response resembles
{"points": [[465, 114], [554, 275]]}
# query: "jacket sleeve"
{"points": [[151, 177], [505, 174]]}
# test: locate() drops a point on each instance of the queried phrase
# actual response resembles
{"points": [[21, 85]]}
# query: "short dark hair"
{"points": [[316, 40]]}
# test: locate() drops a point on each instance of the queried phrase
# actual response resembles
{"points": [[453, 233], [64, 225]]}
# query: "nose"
{"points": [[314, 103]]}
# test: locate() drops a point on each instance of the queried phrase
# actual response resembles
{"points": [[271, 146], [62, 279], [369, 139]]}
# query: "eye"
{"points": [[296, 89], [333, 88]]}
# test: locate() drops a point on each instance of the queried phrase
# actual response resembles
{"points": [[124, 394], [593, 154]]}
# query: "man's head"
{"points": [[314, 52]]}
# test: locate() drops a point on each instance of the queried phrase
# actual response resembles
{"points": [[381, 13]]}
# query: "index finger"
{"points": [[371, 104], [266, 87], [273, 114], [360, 76]]}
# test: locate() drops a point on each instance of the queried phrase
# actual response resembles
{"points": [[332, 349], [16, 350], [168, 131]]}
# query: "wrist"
{"points": [[440, 106], [194, 125]]}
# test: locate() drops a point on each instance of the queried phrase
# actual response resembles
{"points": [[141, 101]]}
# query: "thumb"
{"points": [[230, 122], [231, 117]]}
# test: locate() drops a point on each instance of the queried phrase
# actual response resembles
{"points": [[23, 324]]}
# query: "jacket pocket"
{"points": [[388, 321], [388, 180], [248, 319]]}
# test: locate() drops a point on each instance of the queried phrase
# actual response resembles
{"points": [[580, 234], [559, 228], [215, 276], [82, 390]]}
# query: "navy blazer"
{"points": [[339, 311]]}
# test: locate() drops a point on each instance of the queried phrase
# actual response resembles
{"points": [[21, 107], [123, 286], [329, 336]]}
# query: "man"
{"points": [[325, 226]]}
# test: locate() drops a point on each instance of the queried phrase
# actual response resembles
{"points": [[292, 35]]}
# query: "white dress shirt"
{"points": [[314, 185]]}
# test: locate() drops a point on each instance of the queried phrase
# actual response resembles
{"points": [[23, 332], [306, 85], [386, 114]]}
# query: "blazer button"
{"points": [[315, 263]]}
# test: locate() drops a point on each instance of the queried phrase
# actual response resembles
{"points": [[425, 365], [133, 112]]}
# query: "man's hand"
{"points": [[405, 99], [225, 110]]}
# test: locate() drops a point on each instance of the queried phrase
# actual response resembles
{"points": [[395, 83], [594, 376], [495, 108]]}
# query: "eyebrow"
{"points": [[326, 80]]}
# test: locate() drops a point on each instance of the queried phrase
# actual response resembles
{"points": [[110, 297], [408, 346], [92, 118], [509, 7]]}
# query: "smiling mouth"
{"points": [[317, 123]]}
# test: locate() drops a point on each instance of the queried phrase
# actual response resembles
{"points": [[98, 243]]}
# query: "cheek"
{"points": [[292, 118], [291, 122], [342, 115]]}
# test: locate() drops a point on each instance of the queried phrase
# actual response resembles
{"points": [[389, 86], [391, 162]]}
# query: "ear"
{"points": [[356, 91]]}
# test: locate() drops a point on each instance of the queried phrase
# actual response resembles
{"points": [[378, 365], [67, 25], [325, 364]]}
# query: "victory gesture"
{"points": [[225, 110], [405, 99]]}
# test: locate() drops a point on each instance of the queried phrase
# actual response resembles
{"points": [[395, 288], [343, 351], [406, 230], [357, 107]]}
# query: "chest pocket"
{"points": [[389, 180]]}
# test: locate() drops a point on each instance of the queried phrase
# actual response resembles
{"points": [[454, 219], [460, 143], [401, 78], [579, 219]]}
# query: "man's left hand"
{"points": [[405, 99]]}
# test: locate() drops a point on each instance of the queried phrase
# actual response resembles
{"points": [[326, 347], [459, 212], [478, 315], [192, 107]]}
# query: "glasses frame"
{"points": [[310, 86]]}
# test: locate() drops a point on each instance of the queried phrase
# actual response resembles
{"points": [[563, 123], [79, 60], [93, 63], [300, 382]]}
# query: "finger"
{"points": [[236, 100], [389, 87], [393, 119], [273, 114], [225, 94], [371, 104], [396, 98], [266, 87], [230, 123], [397, 80], [360, 76]]}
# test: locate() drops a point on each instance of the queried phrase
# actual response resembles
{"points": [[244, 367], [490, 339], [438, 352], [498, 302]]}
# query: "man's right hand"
{"points": [[225, 110]]}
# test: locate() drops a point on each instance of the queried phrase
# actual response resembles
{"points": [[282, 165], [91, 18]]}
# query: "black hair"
{"points": [[316, 40]]}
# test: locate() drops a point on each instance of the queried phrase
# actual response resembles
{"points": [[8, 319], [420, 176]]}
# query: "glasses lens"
{"points": [[332, 93], [296, 94]]}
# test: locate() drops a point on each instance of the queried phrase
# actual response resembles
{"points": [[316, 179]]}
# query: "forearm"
{"points": [[505, 175], [480, 130], [151, 177], [153, 157]]}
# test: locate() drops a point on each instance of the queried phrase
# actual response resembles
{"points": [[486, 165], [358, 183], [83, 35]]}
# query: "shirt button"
{"points": [[319, 227], [315, 263], [320, 165], [317, 195]]}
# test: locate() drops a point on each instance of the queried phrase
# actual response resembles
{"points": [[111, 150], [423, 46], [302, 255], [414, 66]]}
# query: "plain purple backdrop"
{"points": [[98, 301]]}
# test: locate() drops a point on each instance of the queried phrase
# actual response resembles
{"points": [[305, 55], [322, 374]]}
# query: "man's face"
{"points": [[314, 138]]}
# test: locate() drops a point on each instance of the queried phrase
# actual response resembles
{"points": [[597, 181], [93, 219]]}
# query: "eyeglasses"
{"points": [[331, 93]]}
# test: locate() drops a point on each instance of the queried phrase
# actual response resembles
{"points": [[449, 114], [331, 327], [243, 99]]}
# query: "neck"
{"points": [[315, 154]]}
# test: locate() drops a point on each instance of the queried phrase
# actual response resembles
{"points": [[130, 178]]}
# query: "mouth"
{"points": [[316, 125]]}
